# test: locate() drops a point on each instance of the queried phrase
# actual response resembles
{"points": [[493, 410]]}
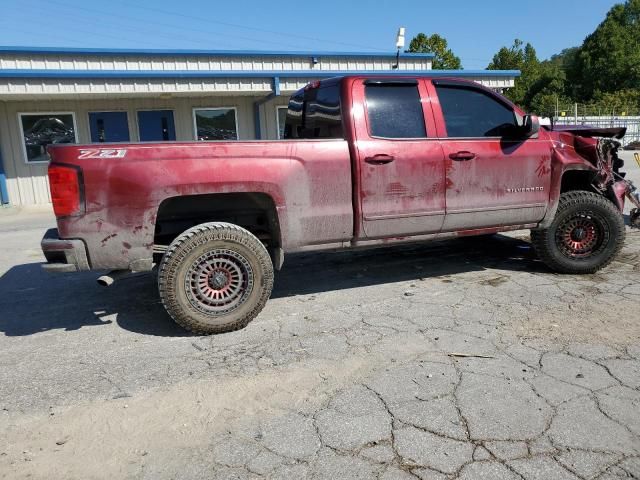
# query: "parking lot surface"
{"points": [[462, 359]]}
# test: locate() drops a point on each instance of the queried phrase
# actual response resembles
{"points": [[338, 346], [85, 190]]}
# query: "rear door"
{"points": [[156, 126], [400, 160], [109, 127], [493, 177]]}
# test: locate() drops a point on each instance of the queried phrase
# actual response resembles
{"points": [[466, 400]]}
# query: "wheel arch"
{"points": [[253, 211], [572, 177]]}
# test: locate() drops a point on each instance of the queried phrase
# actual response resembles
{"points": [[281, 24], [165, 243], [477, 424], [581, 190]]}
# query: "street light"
{"points": [[399, 46]]}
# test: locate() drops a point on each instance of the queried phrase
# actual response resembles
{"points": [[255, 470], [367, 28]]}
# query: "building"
{"points": [[95, 95]]}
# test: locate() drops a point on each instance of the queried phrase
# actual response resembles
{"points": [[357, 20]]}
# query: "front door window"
{"points": [[470, 113]]}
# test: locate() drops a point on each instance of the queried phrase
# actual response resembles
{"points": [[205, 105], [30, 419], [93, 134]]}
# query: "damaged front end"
{"points": [[602, 153], [611, 182]]}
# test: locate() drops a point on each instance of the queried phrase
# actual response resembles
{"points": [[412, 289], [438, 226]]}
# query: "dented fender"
{"points": [[564, 158], [571, 151]]}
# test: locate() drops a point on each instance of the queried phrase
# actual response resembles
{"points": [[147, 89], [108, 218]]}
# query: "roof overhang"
{"points": [[53, 73], [54, 83]]}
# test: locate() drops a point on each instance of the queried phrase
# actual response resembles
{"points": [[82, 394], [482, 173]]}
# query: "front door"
{"points": [[156, 126], [401, 163], [493, 179], [109, 127]]}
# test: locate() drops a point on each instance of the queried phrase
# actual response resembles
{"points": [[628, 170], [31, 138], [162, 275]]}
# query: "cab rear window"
{"points": [[315, 113]]}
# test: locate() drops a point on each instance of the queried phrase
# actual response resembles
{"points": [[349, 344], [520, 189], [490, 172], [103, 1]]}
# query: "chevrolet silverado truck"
{"points": [[367, 161]]}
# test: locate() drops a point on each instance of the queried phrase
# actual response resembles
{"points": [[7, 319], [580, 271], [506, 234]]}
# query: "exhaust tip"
{"points": [[105, 281], [108, 279]]}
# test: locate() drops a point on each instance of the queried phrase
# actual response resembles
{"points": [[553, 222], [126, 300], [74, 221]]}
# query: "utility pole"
{"points": [[399, 46], [575, 113]]}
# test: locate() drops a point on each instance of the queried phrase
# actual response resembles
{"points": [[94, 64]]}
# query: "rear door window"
{"points": [[394, 110], [315, 113], [294, 121], [470, 112]]}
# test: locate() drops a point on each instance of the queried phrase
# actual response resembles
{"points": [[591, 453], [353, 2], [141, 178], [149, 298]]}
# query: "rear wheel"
{"points": [[214, 278], [585, 235]]}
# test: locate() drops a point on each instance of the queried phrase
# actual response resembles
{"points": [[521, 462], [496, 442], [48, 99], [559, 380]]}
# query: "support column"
{"points": [[4, 194], [257, 105]]}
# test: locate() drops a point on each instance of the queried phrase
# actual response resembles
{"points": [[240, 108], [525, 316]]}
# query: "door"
{"points": [[401, 163], [494, 178], [156, 126], [109, 127]]}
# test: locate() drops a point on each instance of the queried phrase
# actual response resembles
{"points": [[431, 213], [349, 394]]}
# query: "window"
{"points": [[394, 110], [474, 113], [282, 120], [215, 124], [42, 129], [315, 113]]}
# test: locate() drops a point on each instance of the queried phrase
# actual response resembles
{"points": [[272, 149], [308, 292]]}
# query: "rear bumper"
{"points": [[63, 255]]}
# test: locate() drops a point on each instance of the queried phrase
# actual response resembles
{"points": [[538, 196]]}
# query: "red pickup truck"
{"points": [[366, 162]]}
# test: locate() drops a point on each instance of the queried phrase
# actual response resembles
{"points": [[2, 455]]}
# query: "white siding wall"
{"points": [[269, 116], [27, 183], [26, 88], [204, 62]]}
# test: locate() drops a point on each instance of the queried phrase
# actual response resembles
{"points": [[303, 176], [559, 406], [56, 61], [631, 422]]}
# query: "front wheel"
{"points": [[585, 235], [214, 278]]}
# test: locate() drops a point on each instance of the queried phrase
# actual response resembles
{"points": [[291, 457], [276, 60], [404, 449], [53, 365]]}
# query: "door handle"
{"points": [[462, 156], [380, 159]]}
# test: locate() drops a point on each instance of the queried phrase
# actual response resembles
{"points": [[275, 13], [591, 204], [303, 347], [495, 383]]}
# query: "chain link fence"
{"points": [[597, 116]]}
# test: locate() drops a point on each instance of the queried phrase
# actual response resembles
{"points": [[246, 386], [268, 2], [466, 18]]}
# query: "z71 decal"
{"points": [[103, 153]]}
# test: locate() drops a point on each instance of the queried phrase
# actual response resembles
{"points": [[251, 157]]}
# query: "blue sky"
{"points": [[475, 29]]}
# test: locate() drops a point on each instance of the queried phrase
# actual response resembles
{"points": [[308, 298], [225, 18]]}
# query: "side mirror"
{"points": [[530, 126]]}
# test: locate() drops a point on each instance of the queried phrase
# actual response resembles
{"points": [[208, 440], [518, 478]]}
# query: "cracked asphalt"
{"points": [[464, 359]]}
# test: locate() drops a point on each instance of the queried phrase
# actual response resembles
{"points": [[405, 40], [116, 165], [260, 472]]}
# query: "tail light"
{"points": [[64, 182]]}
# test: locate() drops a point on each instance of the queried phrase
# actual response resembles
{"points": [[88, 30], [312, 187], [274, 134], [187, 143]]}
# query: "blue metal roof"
{"points": [[221, 53], [51, 73]]}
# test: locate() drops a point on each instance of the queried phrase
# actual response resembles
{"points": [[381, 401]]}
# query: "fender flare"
{"points": [[554, 194]]}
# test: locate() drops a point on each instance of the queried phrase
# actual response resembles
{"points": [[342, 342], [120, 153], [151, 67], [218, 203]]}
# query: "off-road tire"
{"points": [[204, 247], [600, 222]]}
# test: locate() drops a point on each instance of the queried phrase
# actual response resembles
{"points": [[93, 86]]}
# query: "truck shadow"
{"points": [[32, 301], [315, 273]]}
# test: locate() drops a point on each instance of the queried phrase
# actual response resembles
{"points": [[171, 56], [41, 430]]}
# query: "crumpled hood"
{"points": [[598, 149], [588, 131]]}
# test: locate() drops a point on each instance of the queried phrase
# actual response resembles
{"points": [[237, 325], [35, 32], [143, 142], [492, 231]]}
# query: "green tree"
{"points": [[547, 90], [623, 101], [609, 59], [444, 58], [565, 59], [511, 58], [518, 57]]}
